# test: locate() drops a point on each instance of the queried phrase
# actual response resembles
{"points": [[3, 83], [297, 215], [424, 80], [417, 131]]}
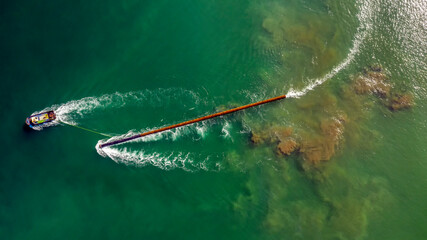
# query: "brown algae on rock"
{"points": [[287, 146], [322, 147], [323, 120], [374, 80], [399, 101]]}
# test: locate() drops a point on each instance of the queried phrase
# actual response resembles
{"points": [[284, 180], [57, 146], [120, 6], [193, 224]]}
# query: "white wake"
{"points": [[166, 161], [70, 112], [365, 17]]}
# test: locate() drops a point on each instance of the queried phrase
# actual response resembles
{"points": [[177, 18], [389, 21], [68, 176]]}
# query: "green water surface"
{"points": [[184, 59]]}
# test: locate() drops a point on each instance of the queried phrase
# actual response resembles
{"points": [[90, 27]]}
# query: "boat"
{"points": [[40, 118]]}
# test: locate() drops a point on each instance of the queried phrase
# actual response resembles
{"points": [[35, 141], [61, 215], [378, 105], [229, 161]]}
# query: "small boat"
{"points": [[40, 118]]}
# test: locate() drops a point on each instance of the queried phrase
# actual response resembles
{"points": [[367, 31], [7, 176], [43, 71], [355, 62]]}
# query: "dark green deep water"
{"points": [[116, 66]]}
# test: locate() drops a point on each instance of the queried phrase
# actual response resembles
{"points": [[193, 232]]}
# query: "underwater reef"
{"points": [[375, 81], [326, 124], [301, 189], [327, 119]]}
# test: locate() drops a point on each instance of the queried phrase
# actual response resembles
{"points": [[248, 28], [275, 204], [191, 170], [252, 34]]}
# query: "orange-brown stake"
{"points": [[191, 121]]}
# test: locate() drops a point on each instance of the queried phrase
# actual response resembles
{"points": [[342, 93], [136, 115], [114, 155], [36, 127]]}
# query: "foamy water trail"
{"points": [[166, 161], [70, 112], [198, 130], [365, 17], [226, 130]]}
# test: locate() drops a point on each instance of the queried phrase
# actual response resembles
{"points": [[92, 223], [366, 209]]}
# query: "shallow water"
{"points": [[123, 68]]}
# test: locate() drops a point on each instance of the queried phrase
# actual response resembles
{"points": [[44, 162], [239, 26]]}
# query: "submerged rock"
{"points": [[287, 146], [372, 82], [313, 148], [376, 67], [283, 132], [256, 138], [322, 147], [316, 150], [271, 135], [400, 101], [324, 119]]}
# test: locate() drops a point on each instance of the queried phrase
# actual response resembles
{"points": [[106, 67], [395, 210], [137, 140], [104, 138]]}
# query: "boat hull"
{"points": [[40, 119]]}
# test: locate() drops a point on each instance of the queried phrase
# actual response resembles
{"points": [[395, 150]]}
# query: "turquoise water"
{"points": [[127, 67]]}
